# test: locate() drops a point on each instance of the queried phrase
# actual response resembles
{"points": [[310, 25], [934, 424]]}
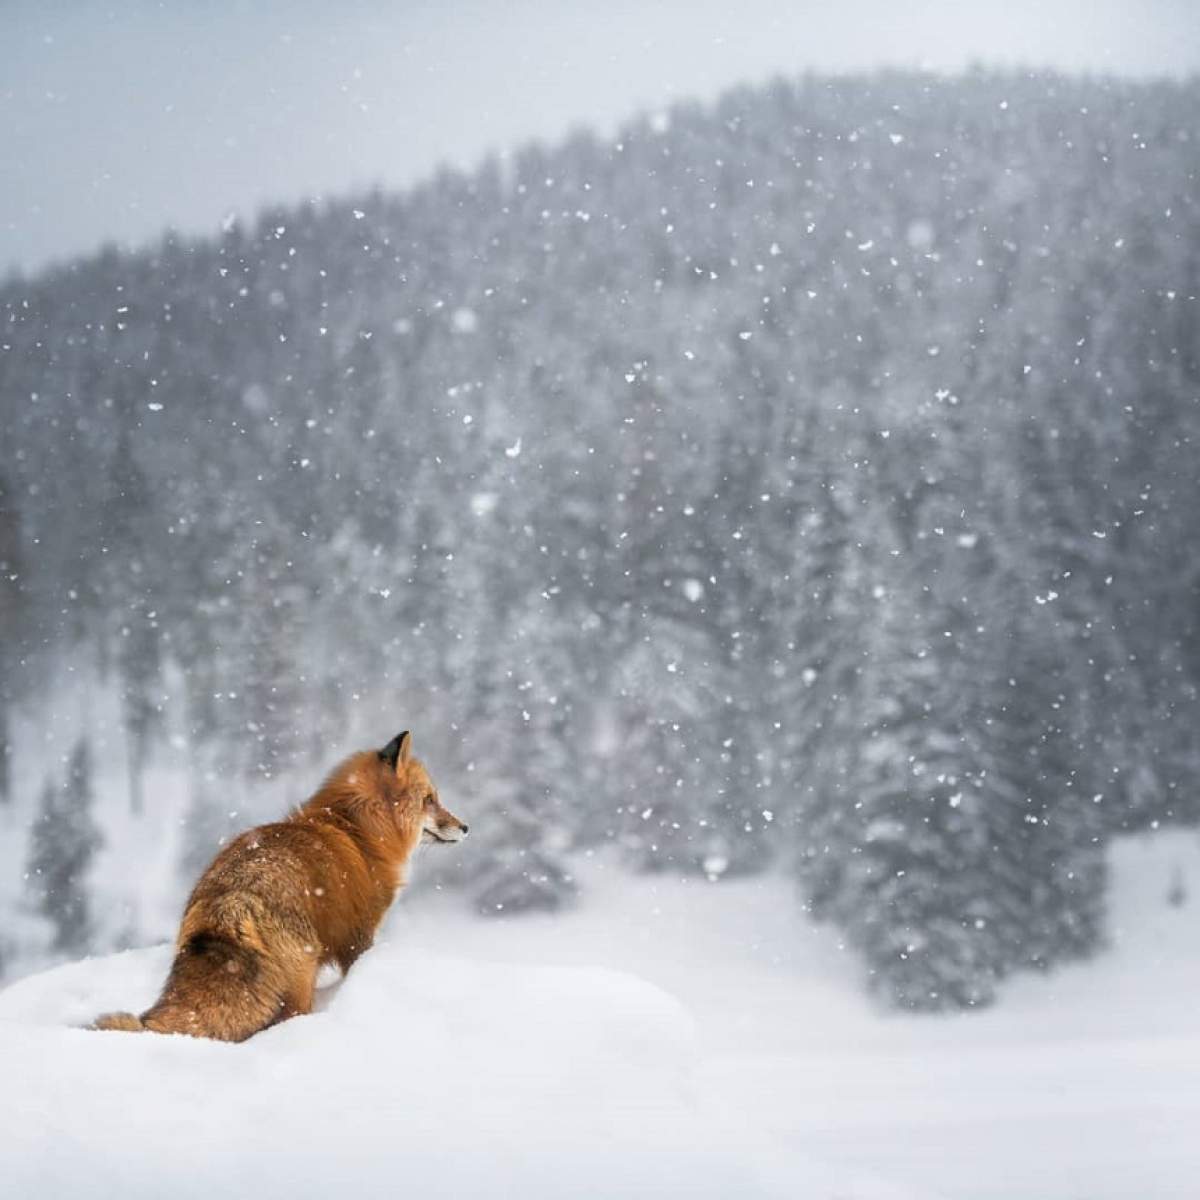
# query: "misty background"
{"points": [[731, 443], [119, 120]]}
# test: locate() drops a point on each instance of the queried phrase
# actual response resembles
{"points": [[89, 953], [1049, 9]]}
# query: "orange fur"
{"points": [[282, 899]]}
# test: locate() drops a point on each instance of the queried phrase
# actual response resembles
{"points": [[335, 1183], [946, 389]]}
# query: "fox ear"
{"points": [[398, 750]]}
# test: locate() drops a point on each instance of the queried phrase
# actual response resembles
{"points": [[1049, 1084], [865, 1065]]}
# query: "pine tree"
{"points": [[127, 518], [138, 670], [521, 868], [897, 850], [1049, 850], [65, 839], [524, 823], [12, 619], [213, 763], [272, 696]]}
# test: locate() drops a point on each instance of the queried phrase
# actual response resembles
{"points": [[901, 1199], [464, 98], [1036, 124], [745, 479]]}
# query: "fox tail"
{"points": [[120, 1020]]}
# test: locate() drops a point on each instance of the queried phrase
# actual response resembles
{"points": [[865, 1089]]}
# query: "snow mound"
{"points": [[419, 1071]]}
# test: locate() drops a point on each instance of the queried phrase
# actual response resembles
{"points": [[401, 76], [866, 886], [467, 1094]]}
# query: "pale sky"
{"points": [[118, 119]]}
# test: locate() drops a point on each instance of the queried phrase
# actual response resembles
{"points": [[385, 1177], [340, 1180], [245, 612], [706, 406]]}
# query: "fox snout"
{"points": [[441, 825]]}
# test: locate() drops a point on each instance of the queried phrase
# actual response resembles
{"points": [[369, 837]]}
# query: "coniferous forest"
{"points": [[807, 481]]}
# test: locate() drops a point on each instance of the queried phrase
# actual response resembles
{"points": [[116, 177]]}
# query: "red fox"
{"points": [[283, 899]]}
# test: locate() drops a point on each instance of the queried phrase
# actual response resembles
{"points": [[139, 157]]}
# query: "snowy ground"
{"points": [[667, 1038]]}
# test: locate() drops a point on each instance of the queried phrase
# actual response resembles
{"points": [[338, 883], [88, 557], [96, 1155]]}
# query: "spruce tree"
{"points": [[271, 695], [522, 732], [65, 838], [138, 671], [12, 619]]}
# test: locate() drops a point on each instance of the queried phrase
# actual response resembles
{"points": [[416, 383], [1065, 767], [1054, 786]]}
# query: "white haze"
{"points": [[119, 120]]}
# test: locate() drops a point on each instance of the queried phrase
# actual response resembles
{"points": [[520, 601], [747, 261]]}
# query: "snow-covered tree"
{"points": [[865, 408], [64, 839]]}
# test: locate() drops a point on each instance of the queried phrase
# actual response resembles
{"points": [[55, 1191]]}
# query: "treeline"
{"points": [[806, 478]]}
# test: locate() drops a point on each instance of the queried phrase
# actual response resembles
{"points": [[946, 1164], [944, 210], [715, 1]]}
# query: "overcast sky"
{"points": [[120, 118]]}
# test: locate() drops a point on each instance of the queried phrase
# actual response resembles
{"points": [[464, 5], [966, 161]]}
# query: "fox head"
{"points": [[388, 795], [414, 798]]}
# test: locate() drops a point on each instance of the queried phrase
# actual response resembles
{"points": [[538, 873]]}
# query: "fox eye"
{"points": [[429, 800]]}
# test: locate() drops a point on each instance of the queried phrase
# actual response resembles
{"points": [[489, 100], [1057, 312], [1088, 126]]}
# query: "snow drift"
{"points": [[419, 1071], [665, 1037]]}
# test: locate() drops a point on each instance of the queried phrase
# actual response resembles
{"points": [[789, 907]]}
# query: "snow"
{"points": [[421, 1070], [465, 320], [667, 1037]]}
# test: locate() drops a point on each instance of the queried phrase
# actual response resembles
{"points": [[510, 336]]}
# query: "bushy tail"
{"points": [[123, 1021], [217, 988]]}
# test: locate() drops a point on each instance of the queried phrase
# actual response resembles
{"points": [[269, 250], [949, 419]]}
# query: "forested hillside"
{"points": [[807, 479]]}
